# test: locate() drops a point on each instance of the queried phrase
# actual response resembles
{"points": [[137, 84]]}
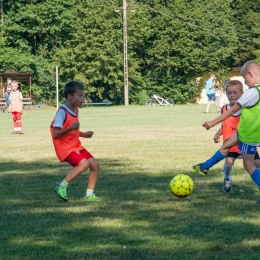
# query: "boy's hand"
{"points": [[208, 125], [216, 138], [75, 126], [88, 134]]}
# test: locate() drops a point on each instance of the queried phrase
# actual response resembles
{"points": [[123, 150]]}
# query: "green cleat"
{"points": [[93, 197], [199, 169], [61, 192]]}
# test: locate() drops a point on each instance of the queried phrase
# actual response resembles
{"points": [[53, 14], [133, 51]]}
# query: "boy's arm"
{"points": [[212, 85], [217, 135], [222, 117], [86, 134], [58, 132]]}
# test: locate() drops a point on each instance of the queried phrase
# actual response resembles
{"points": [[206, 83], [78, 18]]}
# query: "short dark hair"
{"points": [[71, 87]]}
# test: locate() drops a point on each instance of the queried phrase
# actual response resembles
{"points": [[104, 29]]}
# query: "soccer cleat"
{"points": [[227, 185], [93, 197], [199, 169], [61, 192]]}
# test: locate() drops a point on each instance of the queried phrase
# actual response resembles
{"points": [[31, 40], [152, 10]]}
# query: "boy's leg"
{"points": [[248, 161], [208, 105], [92, 180], [257, 160], [216, 105], [93, 174], [229, 162], [77, 170], [203, 168], [19, 123], [80, 164]]}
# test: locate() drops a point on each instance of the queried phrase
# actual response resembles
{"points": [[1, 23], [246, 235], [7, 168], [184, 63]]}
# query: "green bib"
{"points": [[249, 125]]}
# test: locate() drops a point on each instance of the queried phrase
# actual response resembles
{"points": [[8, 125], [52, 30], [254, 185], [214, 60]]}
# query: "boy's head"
{"points": [[251, 73], [71, 87], [9, 80], [212, 76], [14, 85], [234, 91]]}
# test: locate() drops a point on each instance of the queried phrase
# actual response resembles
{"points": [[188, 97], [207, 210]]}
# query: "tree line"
{"points": [[170, 44]]}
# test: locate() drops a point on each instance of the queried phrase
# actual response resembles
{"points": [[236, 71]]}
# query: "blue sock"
{"points": [[227, 172], [217, 157], [256, 176]]}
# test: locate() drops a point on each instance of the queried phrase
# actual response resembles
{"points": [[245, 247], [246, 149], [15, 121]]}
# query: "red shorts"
{"points": [[75, 157], [16, 116]]}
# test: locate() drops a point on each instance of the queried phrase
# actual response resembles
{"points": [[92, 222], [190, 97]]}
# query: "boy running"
{"points": [[248, 134], [65, 136]]}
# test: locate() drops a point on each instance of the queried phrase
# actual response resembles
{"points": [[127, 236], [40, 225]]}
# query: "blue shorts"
{"points": [[246, 148], [211, 97], [7, 99]]}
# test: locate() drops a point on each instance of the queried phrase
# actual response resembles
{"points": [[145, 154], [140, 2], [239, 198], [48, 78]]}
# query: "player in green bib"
{"points": [[248, 135]]}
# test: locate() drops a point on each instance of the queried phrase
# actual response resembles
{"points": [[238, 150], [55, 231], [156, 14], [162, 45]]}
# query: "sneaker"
{"points": [[199, 169], [227, 185], [93, 197], [61, 192]]}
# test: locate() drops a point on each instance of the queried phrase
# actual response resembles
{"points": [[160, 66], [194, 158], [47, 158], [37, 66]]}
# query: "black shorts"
{"points": [[235, 155]]}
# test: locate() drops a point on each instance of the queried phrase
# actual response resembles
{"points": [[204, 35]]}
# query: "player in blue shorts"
{"points": [[248, 134]]}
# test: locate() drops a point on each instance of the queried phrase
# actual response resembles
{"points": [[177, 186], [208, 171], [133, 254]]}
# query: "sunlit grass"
{"points": [[140, 149]]}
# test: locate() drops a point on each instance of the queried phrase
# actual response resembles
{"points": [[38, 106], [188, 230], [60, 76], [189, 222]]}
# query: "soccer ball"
{"points": [[181, 186]]}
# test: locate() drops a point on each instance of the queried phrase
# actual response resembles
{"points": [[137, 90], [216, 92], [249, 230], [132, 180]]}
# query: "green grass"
{"points": [[140, 149]]}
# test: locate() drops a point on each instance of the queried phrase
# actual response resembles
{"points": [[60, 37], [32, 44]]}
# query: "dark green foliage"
{"points": [[170, 45]]}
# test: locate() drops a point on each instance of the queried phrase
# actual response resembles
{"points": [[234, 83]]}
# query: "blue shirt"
{"points": [[209, 89]]}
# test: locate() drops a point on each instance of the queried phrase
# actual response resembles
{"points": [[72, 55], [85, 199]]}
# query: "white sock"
{"points": [[89, 192], [227, 172], [64, 183]]}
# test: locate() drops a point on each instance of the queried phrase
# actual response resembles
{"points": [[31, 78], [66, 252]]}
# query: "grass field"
{"points": [[140, 149]]}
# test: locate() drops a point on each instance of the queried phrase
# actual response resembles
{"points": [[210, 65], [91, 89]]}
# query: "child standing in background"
{"points": [[16, 107]]}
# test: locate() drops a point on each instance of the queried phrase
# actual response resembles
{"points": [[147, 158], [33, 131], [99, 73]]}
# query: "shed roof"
{"points": [[15, 75]]}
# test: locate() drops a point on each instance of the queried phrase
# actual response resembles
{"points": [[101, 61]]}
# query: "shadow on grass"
{"points": [[138, 217]]}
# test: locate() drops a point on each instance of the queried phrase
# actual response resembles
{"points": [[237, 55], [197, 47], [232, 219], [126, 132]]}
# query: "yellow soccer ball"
{"points": [[181, 186]]}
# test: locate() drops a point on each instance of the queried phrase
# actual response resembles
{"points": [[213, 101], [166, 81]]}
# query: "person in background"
{"points": [[16, 107], [217, 94], [6, 93], [210, 92]]}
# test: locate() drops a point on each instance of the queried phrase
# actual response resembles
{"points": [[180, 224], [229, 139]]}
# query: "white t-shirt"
{"points": [[249, 98], [217, 92]]}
